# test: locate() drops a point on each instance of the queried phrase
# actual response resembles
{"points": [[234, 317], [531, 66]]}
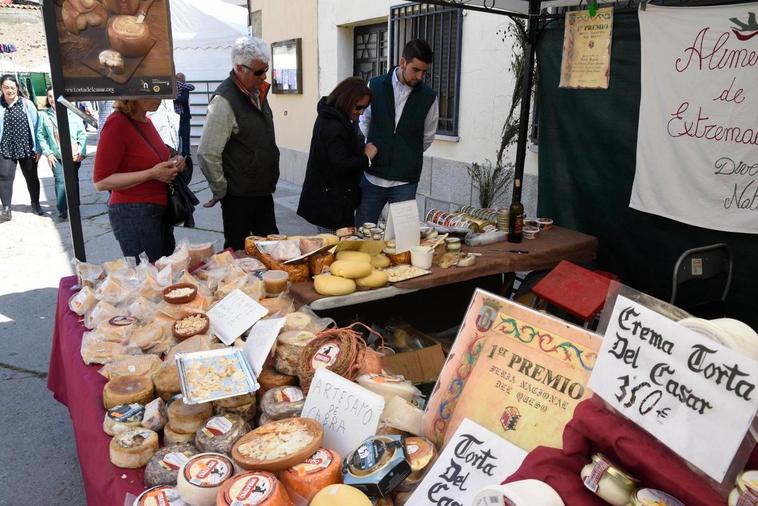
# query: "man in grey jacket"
{"points": [[238, 153]]}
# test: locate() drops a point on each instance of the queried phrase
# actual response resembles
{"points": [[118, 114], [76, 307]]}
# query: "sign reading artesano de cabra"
{"points": [[681, 387], [697, 143]]}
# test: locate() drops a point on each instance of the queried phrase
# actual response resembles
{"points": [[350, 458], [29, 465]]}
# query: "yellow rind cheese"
{"points": [[351, 269], [333, 285], [376, 279]]}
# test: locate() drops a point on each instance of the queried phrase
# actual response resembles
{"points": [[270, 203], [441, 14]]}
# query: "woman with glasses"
{"points": [[18, 145], [338, 156]]}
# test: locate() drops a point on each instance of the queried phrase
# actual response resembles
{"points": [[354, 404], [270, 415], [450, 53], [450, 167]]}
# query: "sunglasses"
{"points": [[258, 72], [360, 107]]}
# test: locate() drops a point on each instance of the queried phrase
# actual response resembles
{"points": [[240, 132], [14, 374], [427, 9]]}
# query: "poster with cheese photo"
{"points": [[109, 49]]}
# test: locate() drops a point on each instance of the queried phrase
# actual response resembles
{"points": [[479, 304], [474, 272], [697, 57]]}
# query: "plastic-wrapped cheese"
{"points": [[162, 495], [297, 321], [132, 365], [304, 480], [148, 336], [187, 418], [201, 477], [289, 346], [155, 417], [254, 488], [389, 386], [220, 433], [283, 402], [164, 467], [340, 495], [122, 418], [133, 448], [82, 301], [127, 390], [400, 414]]}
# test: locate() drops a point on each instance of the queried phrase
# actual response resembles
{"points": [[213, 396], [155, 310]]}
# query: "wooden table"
{"points": [[544, 252]]}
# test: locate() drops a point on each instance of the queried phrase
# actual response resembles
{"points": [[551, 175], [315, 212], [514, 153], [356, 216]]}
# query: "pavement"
{"points": [[38, 451]]}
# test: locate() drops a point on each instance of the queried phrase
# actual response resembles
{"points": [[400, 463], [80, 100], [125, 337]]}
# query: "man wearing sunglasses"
{"points": [[401, 122], [238, 153]]}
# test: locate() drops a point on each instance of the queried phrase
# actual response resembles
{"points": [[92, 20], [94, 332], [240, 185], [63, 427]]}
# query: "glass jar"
{"points": [[745, 487], [608, 481], [653, 497], [453, 244]]}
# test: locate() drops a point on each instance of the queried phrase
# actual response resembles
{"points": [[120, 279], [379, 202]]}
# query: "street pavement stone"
{"points": [[35, 252]]}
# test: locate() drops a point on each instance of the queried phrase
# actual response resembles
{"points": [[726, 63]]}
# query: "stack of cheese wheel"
{"points": [[270, 378], [240, 405], [303, 481], [127, 390], [352, 270], [123, 417], [166, 381], [257, 488], [200, 478], [184, 420], [290, 345], [133, 448]]}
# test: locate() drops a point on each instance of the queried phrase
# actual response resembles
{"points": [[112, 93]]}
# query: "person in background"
{"points": [[104, 109], [166, 121], [18, 145], [238, 153], [134, 164], [401, 122], [50, 146], [338, 156], [86, 108], [182, 108]]}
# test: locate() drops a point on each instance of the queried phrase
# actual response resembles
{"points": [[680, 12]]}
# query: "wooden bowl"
{"points": [[255, 438], [183, 299], [182, 335]]}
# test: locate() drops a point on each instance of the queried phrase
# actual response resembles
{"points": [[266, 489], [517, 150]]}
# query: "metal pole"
{"points": [[526, 97], [70, 176]]}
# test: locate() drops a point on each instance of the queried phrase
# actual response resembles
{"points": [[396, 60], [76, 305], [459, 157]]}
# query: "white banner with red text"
{"points": [[697, 142]]}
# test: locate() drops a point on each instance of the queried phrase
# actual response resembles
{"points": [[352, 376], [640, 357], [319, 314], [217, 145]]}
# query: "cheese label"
{"points": [[122, 321], [250, 489], [326, 355], [126, 413], [411, 448], [652, 497], [162, 495], [313, 464], [208, 471], [217, 426], [175, 460], [289, 394]]}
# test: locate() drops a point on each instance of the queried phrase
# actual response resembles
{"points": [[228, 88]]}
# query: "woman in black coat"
{"points": [[337, 158]]}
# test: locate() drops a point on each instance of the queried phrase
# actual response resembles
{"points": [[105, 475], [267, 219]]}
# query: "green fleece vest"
{"points": [[401, 149]]}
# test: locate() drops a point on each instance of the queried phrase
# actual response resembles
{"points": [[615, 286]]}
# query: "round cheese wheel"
{"points": [[376, 279], [282, 402], [236, 401], [122, 418], [166, 381], [288, 349], [246, 411], [270, 378], [329, 239], [388, 386], [164, 467], [297, 321], [201, 477], [351, 269], [303, 481], [133, 448], [162, 495], [256, 488], [171, 437], [187, 418], [340, 495], [357, 256], [380, 261], [127, 390], [334, 285], [219, 433]]}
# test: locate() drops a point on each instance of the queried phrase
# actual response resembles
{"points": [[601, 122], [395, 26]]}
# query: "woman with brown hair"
{"points": [[134, 164], [338, 156]]}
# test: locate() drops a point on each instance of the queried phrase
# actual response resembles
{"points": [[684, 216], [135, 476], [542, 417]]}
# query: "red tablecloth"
{"points": [[595, 429], [80, 388]]}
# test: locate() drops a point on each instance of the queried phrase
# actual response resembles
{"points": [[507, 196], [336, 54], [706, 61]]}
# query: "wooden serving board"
{"points": [[92, 61]]}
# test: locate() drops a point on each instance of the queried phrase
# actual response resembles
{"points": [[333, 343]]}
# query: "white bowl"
{"points": [[421, 257]]}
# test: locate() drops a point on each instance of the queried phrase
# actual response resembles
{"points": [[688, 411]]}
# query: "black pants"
{"points": [[8, 174], [184, 134], [244, 216]]}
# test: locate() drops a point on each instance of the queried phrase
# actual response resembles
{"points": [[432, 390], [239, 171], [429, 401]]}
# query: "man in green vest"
{"points": [[237, 152], [401, 122]]}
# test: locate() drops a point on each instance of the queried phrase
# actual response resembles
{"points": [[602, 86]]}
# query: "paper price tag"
{"points": [[233, 315]]}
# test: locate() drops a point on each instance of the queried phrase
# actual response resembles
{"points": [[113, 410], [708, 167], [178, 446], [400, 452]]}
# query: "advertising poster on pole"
{"points": [[112, 48]]}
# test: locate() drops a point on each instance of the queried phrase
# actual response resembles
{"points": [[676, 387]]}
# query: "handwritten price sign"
{"points": [[678, 385]]}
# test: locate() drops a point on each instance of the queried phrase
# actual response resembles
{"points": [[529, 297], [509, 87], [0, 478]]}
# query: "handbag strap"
{"points": [[142, 134]]}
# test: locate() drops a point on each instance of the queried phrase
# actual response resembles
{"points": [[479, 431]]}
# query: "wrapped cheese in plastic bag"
{"points": [[131, 365], [150, 289], [199, 254], [221, 259], [118, 264], [142, 309], [179, 260], [87, 274], [101, 312], [250, 264], [118, 327], [253, 287], [96, 350], [285, 250], [82, 301], [146, 337], [112, 290], [278, 306]]}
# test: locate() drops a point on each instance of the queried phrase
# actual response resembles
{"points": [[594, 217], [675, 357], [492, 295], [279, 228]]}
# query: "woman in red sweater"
{"points": [[132, 162]]}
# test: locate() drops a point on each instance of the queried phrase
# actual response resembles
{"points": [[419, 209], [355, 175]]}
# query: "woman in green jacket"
{"points": [[49, 142]]}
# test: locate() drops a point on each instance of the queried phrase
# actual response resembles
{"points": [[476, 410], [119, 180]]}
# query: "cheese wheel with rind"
{"points": [[351, 269], [296, 321], [187, 418], [376, 279], [303, 481], [127, 390], [334, 285], [133, 448], [200, 478], [253, 488], [122, 418], [380, 261], [400, 414], [357, 256], [283, 402], [219, 433], [164, 466], [171, 437], [340, 495], [155, 417]]}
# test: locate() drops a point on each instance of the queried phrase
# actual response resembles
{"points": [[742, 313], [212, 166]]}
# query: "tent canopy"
{"points": [[507, 6]]}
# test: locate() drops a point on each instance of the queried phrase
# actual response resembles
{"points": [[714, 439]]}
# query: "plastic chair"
{"points": [[701, 281]]}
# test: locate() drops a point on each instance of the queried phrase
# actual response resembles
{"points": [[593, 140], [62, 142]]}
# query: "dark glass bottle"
{"points": [[516, 214]]}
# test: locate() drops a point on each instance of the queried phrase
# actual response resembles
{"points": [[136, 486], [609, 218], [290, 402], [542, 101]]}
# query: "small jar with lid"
{"points": [[608, 481], [745, 489], [653, 497], [453, 244]]}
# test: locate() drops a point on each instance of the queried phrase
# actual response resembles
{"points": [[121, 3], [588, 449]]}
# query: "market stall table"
{"points": [[79, 387], [544, 252]]}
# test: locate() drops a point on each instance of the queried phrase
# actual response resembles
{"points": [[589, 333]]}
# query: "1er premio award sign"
{"points": [[682, 387]]}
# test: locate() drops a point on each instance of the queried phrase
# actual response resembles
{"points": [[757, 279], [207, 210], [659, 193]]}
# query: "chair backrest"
{"points": [[705, 274]]}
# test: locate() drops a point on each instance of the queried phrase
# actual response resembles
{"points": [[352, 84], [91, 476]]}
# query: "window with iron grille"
{"points": [[441, 27]]}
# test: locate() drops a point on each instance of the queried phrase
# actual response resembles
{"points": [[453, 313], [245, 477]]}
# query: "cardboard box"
{"points": [[419, 366]]}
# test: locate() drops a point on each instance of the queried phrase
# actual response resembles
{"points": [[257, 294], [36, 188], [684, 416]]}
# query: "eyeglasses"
{"points": [[258, 72]]}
